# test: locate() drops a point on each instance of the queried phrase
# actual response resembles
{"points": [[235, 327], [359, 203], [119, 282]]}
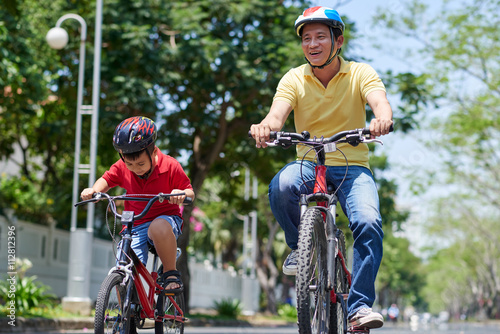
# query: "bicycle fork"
{"points": [[330, 230]]}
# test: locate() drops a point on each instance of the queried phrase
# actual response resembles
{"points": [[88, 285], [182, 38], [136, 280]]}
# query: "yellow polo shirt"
{"points": [[326, 111]]}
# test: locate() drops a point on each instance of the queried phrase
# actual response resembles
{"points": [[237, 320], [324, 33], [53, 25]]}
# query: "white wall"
{"points": [[48, 250]]}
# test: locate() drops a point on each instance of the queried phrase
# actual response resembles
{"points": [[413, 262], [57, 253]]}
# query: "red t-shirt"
{"points": [[165, 177]]}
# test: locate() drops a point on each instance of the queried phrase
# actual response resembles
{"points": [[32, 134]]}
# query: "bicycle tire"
{"points": [[110, 310], [313, 297], [341, 286], [165, 306]]}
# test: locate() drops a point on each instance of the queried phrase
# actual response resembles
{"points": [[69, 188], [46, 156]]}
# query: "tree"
{"points": [[38, 101], [205, 70], [461, 50], [223, 72]]}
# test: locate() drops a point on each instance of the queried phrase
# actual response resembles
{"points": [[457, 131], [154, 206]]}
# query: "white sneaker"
{"points": [[290, 264], [365, 317]]}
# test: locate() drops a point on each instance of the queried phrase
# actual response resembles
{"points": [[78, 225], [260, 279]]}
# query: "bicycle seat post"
{"points": [[127, 219]]}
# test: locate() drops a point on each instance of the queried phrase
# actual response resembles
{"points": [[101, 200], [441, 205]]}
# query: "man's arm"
{"points": [[380, 125], [274, 121]]}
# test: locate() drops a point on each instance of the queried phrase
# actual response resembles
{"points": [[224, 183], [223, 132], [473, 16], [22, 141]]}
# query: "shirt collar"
{"points": [[345, 67]]}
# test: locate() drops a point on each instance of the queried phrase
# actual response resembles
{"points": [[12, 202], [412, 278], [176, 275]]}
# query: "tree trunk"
{"points": [[267, 273]]}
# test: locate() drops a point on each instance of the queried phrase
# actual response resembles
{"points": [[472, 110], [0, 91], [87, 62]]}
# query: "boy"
{"points": [[144, 169]]}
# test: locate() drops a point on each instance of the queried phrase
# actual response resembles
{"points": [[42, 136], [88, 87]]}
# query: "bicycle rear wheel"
{"points": [[313, 298], [111, 313], [172, 307], [337, 314]]}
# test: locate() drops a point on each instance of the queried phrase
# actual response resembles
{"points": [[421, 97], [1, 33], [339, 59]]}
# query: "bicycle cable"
{"points": [[315, 159]]}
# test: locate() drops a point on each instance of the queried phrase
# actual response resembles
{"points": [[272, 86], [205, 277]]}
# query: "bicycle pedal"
{"points": [[358, 330]]}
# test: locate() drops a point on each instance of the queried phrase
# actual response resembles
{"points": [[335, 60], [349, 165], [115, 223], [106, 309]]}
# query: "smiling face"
{"points": [[317, 43], [140, 165]]}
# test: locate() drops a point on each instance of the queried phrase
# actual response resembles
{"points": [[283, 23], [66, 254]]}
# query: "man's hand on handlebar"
{"points": [[260, 132], [380, 127]]}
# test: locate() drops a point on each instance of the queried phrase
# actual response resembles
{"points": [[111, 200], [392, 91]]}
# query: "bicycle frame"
{"points": [[327, 203], [331, 242], [139, 271]]}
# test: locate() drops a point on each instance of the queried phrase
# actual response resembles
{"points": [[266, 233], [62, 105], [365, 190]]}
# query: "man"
{"points": [[329, 95]]}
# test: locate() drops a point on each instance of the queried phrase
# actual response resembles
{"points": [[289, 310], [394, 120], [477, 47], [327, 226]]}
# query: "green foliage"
{"points": [[460, 46], [401, 275], [206, 70], [23, 196], [228, 307], [26, 293], [287, 312]]}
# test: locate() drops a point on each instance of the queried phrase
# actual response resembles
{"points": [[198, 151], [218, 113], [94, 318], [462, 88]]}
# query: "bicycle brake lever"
{"points": [[272, 143], [276, 143], [367, 140]]}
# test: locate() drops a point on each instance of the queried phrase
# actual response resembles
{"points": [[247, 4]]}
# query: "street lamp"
{"points": [[57, 38], [80, 253]]}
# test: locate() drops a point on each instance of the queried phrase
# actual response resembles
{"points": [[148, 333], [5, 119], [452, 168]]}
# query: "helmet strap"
{"points": [[146, 175], [331, 58]]}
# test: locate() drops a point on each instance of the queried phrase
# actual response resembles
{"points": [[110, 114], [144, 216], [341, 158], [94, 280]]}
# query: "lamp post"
{"points": [[250, 284], [80, 252]]}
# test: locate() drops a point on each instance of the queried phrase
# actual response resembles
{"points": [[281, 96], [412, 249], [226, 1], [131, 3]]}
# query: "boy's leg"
{"points": [[163, 232], [140, 242]]}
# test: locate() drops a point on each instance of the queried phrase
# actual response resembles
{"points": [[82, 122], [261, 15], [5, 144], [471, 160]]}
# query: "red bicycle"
{"points": [[130, 293], [323, 280]]}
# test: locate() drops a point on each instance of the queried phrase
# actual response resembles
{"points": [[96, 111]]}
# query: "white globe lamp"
{"points": [[57, 38]]}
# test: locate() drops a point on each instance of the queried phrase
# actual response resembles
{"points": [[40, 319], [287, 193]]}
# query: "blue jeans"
{"points": [[141, 241], [359, 200]]}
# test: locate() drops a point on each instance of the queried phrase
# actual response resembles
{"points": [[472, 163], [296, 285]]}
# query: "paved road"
{"points": [[388, 329]]}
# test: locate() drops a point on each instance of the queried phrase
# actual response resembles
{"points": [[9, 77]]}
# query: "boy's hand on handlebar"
{"points": [[177, 199], [261, 134], [87, 193], [380, 127]]}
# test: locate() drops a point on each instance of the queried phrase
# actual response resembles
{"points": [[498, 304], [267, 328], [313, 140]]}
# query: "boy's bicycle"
{"points": [[130, 293], [323, 280]]}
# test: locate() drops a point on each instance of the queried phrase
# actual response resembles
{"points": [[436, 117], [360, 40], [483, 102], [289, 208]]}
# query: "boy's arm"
{"points": [[101, 185]]}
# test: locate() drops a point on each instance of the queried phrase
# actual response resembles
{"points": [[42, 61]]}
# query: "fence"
{"points": [[48, 250]]}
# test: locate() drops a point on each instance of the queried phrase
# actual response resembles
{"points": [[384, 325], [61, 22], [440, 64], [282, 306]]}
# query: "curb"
{"points": [[31, 325]]}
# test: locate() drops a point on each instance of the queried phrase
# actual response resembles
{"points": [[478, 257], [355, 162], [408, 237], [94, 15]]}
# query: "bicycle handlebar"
{"points": [[352, 137], [160, 197]]}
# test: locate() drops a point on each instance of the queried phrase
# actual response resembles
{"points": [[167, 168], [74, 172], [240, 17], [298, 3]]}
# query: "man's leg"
{"points": [[284, 194], [358, 197]]}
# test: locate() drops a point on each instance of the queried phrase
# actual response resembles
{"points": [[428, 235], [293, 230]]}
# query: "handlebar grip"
{"points": [[272, 134], [366, 131], [188, 201]]}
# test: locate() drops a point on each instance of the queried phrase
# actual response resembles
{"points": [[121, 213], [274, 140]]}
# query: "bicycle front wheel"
{"points": [[111, 313], [170, 309], [313, 298], [337, 312]]}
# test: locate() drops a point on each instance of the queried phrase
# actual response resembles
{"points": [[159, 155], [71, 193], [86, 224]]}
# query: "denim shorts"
{"points": [[141, 241]]}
